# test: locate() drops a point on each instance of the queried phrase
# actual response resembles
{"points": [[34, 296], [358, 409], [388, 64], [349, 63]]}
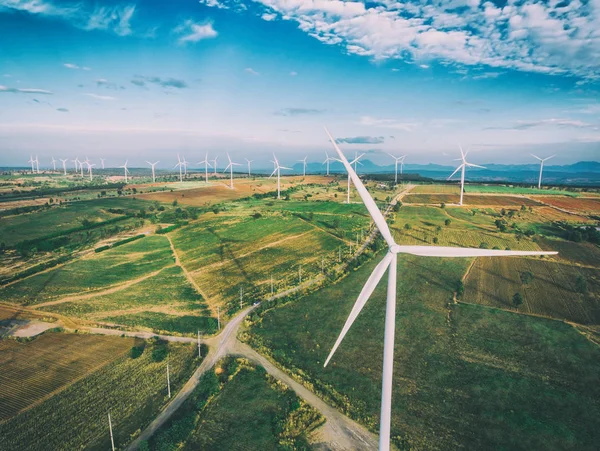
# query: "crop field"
{"points": [[132, 388], [585, 254], [454, 364], [581, 204], [470, 199], [489, 189], [36, 370], [552, 291]]}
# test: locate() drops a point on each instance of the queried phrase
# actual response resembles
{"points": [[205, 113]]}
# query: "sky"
{"points": [[148, 79]]}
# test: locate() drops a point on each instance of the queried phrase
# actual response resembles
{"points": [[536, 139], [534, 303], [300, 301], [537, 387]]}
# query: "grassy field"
{"points": [[465, 376], [552, 291], [133, 389], [583, 205], [470, 199], [489, 189], [239, 407]]}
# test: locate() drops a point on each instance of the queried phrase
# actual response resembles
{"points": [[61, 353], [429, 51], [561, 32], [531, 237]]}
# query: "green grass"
{"points": [[166, 323], [134, 390], [464, 377]]}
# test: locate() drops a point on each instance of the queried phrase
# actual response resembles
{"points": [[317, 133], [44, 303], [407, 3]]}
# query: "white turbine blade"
{"points": [[475, 166], [462, 154], [365, 196], [547, 158], [363, 297], [534, 156], [441, 251], [283, 167], [273, 173], [227, 167], [457, 169], [236, 164]]}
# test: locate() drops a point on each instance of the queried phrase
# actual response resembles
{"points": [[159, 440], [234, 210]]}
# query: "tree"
{"points": [[581, 284], [175, 202], [523, 208], [443, 205], [447, 222], [407, 226], [483, 245], [435, 240], [517, 300], [526, 277]]}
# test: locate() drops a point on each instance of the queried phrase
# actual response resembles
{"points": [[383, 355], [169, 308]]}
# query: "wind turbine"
{"points": [[102, 161], [81, 165], [542, 160], [153, 164], [32, 161], [230, 167], [53, 164], [303, 166], [180, 164], [185, 165], [249, 161], [353, 162], [90, 166], [278, 171], [327, 160], [463, 165], [37, 164], [390, 262], [125, 170], [398, 160], [206, 165], [215, 165], [76, 161], [64, 162]]}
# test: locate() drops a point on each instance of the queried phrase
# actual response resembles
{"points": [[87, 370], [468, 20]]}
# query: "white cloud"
{"points": [[251, 71], [293, 73], [388, 123], [71, 66], [424, 66], [24, 90], [191, 31], [269, 17], [99, 97]]}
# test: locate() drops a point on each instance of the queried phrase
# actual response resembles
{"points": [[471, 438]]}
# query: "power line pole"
{"points": [[340, 254], [271, 284], [112, 441], [218, 318], [299, 274], [241, 297], [323, 265], [168, 381], [199, 349]]}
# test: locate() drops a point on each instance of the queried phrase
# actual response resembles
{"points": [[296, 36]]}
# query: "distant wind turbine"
{"points": [[398, 160], [303, 166], [327, 160], [185, 165], [389, 262], [64, 163], [462, 167], [37, 164], [278, 172], [153, 164], [353, 162], [89, 166], [102, 161], [230, 167], [249, 161], [542, 160], [32, 161], [215, 165], [125, 170], [53, 164], [76, 162], [81, 165], [206, 165], [180, 165]]}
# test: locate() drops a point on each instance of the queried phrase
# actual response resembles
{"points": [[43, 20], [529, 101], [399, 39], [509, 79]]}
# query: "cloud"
{"points": [[298, 112], [269, 17], [115, 19], [424, 66], [361, 140], [71, 66], [293, 73], [190, 31], [251, 71], [548, 37], [486, 75], [62, 110], [24, 90], [553, 122], [104, 83], [388, 123], [170, 82], [99, 97]]}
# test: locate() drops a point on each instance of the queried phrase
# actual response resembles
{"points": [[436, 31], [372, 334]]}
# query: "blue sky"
{"points": [[147, 79]]}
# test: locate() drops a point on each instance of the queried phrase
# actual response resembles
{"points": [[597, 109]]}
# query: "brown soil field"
{"points": [[586, 254], [552, 214], [579, 204], [36, 370], [494, 281], [470, 199], [221, 192]]}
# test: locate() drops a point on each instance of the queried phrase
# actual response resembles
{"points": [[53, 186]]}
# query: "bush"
{"points": [[160, 352], [581, 285], [517, 300], [136, 351], [447, 222]]}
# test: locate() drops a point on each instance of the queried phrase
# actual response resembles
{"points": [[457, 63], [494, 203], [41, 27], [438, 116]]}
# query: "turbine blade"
{"points": [[441, 251], [457, 169], [283, 167], [365, 196], [273, 173], [536, 157], [363, 297], [475, 165], [547, 158]]}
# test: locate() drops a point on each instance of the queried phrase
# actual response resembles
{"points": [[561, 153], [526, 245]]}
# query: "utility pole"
{"points": [[112, 441], [323, 265], [199, 349], [299, 275], [241, 297], [271, 284], [218, 318], [168, 381], [340, 254]]}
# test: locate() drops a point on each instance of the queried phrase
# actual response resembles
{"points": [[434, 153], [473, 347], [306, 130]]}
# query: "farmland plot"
{"points": [[582, 204], [469, 199], [552, 291]]}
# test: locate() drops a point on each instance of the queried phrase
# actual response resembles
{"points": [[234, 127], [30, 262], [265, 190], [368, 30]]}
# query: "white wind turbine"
{"points": [[102, 162], [462, 167], [180, 165], [542, 160], [76, 162], [398, 160], [153, 164], [81, 165], [64, 163], [53, 164], [249, 171], [89, 166], [327, 160], [185, 165], [353, 162], [230, 167], [32, 161], [278, 172], [125, 170], [303, 161], [206, 165], [215, 165], [37, 164], [390, 262]]}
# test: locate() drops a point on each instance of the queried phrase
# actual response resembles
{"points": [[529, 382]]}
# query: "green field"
{"points": [[133, 389], [465, 376], [241, 408], [489, 189]]}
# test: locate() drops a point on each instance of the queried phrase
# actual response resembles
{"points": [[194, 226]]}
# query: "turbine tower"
{"points": [[76, 161], [542, 160], [327, 160], [180, 164], [303, 166], [215, 165], [102, 162], [153, 164], [90, 166], [462, 167], [353, 162], [206, 165], [32, 161], [53, 164], [81, 165], [230, 167], [278, 171], [398, 160], [37, 164], [125, 170], [389, 262], [249, 171], [64, 163], [185, 165]]}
